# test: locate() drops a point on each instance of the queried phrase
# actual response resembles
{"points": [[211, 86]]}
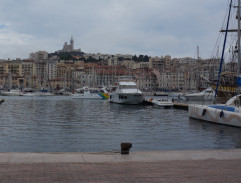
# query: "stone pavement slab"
{"points": [[203, 171], [156, 166]]}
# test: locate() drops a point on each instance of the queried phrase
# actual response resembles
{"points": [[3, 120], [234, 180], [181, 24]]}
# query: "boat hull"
{"points": [[30, 94], [194, 97], [44, 94], [127, 98], [90, 96], [11, 93], [201, 98], [215, 115], [207, 94], [162, 103], [225, 91]]}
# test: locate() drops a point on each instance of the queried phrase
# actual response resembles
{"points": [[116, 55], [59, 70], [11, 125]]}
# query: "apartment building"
{"points": [[28, 68], [52, 69], [40, 55], [160, 63]]}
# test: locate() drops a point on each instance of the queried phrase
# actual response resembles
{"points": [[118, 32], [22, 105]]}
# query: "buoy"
{"points": [[221, 114], [204, 112]]}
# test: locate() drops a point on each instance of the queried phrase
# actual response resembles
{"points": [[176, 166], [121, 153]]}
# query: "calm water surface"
{"points": [[62, 124]]}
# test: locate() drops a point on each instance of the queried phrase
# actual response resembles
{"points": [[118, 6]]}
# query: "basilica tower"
{"points": [[71, 43]]}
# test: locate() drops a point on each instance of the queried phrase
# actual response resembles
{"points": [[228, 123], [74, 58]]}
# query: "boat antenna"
{"points": [[224, 44]]}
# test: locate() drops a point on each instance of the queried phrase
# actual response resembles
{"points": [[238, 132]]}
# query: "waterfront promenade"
{"points": [[154, 166]]}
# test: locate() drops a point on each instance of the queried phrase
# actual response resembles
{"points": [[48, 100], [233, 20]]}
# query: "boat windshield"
{"points": [[128, 87], [209, 91]]}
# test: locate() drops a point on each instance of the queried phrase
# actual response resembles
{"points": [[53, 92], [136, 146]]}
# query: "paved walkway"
{"points": [[159, 166]]}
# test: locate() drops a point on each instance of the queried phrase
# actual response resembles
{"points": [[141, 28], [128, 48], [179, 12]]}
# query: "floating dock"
{"points": [[183, 106]]}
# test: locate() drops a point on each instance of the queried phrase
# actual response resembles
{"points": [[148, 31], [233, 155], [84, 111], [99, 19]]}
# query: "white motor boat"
{"points": [[228, 114], [33, 94], [44, 94], [91, 93], [165, 103], [12, 93], [29, 94], [126, 93], [207, 94]]}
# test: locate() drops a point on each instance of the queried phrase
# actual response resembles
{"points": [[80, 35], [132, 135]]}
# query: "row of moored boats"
{"points": [[126, 92]]}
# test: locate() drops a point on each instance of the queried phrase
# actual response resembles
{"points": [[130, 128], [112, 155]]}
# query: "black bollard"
{"points": [[125, 147]]}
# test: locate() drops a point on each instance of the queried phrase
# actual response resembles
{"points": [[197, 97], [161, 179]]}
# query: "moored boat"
{"points": [[29, 94], [90, 93], [126, 92], [44, 94], [227, 87], [165, 103], [11, 93], [228, 114], [207, 94]]}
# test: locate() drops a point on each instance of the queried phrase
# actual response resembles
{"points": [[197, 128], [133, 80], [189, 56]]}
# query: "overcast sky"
{"points": [[148, 27]]}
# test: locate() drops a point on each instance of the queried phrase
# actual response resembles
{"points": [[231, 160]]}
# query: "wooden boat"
{"points": [[227, 87]]}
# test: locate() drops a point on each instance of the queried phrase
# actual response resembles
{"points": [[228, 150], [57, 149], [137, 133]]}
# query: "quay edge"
{"points": [[142, 156]]}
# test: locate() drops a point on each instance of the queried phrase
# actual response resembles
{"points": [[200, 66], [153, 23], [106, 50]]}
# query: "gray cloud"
{"points": [[152, 27]]}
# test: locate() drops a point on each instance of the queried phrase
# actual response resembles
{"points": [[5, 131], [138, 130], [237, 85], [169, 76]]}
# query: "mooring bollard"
{"points": [[125, 147]]}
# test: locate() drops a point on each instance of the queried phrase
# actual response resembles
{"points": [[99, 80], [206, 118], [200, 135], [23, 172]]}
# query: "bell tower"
{"points": [[71, 43]]}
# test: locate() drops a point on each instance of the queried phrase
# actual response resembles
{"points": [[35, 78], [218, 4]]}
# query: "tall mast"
{"points": [[239, 61], [224, 44]]}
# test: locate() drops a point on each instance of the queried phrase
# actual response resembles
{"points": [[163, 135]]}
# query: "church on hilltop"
{"points": [[69, 47]]}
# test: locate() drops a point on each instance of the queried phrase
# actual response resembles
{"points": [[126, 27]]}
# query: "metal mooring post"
{"points": [[125, 147]]}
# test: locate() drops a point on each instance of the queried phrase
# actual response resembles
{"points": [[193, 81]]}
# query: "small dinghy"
{"points": [[165, 103]]}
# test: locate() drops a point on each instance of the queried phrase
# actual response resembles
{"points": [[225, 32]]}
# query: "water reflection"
{"points": [[222, 136]]}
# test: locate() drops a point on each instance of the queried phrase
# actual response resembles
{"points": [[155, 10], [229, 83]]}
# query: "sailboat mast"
{"points": [[239, 61], [224, 44]]}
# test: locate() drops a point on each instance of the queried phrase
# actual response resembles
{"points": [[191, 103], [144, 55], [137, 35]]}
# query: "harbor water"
{"points": [[62, 124]]}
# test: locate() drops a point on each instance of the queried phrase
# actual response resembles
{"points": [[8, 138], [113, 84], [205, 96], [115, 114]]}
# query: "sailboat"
{"points": [[229, 113]]}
